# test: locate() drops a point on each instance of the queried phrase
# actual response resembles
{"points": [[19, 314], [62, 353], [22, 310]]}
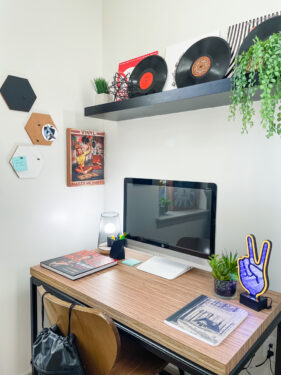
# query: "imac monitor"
{"points": [[177, 217]]}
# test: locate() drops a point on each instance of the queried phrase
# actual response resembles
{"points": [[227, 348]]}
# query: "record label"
{"points": [[146, 80], [201, 66]]}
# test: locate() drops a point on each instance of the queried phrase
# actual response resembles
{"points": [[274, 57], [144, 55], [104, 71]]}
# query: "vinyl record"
{"points": [[148, 77], [206, 60], [262, 31]]}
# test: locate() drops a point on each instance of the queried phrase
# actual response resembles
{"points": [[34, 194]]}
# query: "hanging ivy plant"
{"points": [[259, 69]]}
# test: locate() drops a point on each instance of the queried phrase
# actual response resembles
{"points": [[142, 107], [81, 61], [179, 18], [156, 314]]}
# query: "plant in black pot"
{"points": [[258, 70], [224, 270]]}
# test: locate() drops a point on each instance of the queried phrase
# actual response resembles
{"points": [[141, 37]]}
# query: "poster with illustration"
{"points": [[85, 157]]}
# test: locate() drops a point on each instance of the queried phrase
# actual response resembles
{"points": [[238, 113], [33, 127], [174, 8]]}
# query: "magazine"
{"points": [[207, 319]]}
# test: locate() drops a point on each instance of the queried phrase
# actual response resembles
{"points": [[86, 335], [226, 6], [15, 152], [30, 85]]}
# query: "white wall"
{"points": [[57, 45], [199, 145]]}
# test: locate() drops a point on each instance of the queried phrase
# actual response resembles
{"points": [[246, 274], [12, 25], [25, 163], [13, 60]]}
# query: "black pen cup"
{"points": [[117, 249]]}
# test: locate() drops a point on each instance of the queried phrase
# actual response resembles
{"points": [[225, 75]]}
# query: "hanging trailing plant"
{"points": [[259, 69]]}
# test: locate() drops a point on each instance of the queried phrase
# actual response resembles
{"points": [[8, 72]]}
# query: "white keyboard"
{"points": [[164, 267]]}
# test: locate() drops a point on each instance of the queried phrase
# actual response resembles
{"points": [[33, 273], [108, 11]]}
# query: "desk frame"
{"points": [[159, 350]]}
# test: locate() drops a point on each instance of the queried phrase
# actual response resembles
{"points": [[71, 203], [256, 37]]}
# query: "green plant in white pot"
{"points": [[259, 70], [225, 273], [101, 88]]}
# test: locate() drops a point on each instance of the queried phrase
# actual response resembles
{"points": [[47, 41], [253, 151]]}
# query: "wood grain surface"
{"points": [[143, 301]]}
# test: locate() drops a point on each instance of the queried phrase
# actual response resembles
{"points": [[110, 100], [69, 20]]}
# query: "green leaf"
{"points": [[258, 68]]}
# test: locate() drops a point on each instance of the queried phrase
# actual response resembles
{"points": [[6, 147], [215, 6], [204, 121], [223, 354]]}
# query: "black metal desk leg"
{"points": [[278, 351], [33, 315]]}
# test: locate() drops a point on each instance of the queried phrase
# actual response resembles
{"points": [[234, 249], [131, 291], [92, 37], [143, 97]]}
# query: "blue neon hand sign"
{"points": [[252, 271]]}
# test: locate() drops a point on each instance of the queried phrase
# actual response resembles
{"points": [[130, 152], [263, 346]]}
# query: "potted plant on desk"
{"points": [[224, 270]]}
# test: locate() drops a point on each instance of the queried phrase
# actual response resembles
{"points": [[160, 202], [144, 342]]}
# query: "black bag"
{"points": [[54, 354]]}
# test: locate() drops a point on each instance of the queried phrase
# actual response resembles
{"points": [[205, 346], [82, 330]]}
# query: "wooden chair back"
{"points": [[97, 338]]}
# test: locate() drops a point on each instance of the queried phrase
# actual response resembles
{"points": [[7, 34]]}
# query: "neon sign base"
{"points": [[256, 304]]}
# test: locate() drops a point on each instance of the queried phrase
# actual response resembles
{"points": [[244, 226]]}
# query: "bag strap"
{"points": [[42, 309], [69, 313], [69, 318]]}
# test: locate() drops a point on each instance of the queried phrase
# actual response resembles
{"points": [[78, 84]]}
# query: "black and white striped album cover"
{"points": [[235, 34]]}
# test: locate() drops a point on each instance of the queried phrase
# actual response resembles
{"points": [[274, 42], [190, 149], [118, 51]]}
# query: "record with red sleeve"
{"points": [[148, 77]]}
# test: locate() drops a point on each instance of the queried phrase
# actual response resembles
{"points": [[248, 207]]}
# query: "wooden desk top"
{"points": [[143, 301]]}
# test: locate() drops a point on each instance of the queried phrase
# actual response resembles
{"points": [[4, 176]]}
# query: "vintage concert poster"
{"points": [[85, 157]]}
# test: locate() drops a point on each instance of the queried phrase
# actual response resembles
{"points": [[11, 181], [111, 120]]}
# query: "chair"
{"points": [[102, 349]]}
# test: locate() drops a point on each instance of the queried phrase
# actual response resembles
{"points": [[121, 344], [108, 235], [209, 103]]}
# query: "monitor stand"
{"points": [[164, 267]]}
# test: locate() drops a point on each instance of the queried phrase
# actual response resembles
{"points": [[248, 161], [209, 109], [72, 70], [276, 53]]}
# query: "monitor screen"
{"points": [[176, 215]]}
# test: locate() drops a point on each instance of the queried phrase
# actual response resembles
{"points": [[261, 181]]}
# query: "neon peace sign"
{"points": [[252, 271]]}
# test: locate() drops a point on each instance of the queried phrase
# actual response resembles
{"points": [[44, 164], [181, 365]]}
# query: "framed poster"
{"points": [[85, 157]]}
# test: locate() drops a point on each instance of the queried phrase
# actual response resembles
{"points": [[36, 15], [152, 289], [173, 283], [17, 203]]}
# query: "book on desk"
{"points": [[79, 264]]}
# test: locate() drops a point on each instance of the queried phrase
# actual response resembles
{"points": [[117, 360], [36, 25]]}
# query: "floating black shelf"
{"points": [[204, 95]]}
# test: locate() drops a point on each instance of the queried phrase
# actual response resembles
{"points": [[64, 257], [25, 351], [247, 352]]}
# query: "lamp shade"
{"points": [[109, 226]]}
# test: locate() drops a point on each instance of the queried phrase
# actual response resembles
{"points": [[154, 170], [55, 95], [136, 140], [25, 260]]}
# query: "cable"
{"points": [[270, 304], [270, 354], [260, 364], [270, 366], [249, 363]]}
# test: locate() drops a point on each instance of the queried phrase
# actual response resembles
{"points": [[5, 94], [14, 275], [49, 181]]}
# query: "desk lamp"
{"points": [[109, 226]]}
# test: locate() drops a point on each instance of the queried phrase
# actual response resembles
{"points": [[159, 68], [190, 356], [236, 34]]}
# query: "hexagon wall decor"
{"points": [[41, 129], [18, 93], [27, 161]]}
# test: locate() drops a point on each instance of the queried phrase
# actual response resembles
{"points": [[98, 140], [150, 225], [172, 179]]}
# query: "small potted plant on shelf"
{"points": [[224, 270], [259, 70], [101, 88], [163, 206]]}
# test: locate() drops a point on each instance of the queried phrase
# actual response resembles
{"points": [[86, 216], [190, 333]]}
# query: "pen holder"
{"points": [[117, 249]]}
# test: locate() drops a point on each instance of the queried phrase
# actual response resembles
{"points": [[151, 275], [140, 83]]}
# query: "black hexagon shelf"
{"points": [[18, 93]]}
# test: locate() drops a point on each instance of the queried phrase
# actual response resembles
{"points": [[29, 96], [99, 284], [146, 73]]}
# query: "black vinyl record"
{"points": [[262, 31], [148, 77], [206, 60]]}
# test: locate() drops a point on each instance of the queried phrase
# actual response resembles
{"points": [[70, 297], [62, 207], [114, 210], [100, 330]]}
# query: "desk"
{"points": [[139, 302]]}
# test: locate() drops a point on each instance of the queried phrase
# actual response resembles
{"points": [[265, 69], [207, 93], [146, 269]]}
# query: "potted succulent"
{"points": [[224, 270], [101, 88], [259, 70], [163, 206]]}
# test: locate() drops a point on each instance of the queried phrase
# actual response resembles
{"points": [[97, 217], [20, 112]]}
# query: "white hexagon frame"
{"points": [[34, 161]]}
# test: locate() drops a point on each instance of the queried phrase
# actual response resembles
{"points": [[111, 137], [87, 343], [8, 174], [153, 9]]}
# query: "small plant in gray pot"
{"points": [[101, 88], [224, 270]]}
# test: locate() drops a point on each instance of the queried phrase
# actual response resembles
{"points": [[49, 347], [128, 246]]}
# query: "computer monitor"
{"points": [[177, 218]]}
